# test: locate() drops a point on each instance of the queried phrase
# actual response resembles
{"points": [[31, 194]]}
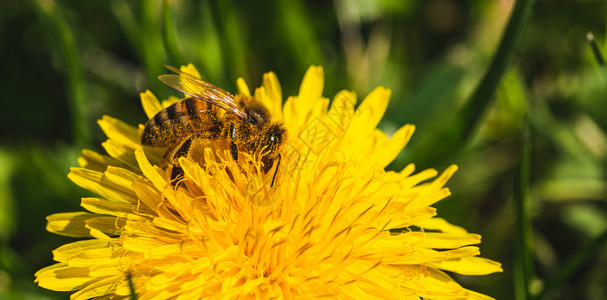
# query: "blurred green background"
{"points": [[67, 63]]}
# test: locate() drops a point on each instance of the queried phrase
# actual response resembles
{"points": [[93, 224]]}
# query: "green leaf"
{"points": [[453, 135], [131, 286], [523, 252], [75, 73], [151, 39], [170, 39], [211, 52]]}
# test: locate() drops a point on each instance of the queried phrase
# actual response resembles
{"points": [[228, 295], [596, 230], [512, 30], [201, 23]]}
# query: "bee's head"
{"points": [[273, 138], [275, 135]]}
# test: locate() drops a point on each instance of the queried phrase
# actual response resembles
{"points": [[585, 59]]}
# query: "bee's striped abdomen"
{"points": [[178, 121]]}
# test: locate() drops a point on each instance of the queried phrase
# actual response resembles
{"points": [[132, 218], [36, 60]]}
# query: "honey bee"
{"points": [[245, 125]]}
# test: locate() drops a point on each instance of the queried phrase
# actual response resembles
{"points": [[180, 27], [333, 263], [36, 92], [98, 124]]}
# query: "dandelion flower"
{"points": [[334, 224]]}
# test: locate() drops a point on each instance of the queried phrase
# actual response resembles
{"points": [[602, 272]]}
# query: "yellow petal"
{"points": [[441, 225], [447, 241], [190, 69], [96, 256], [272, 88], [149, 197], [103, 227], [152, 248], [368, 114], [150, 104], [63, 253], [97, 162], [312, 84], [101, 185], [342, 110], [242, 87], [438, 285], [150, 172], [101, 271], [120, 177], [442, 180], [407, 170], [415, 215], [297, 110], [69, 224], [61, 277], [469, 266], [121, 153], [388, 152], [100, 287], [120, 132]]}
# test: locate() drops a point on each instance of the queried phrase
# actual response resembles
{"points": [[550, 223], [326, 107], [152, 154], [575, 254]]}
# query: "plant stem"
{"points": [[523, 253], [453, 135], [75, 73], [170, 40]]}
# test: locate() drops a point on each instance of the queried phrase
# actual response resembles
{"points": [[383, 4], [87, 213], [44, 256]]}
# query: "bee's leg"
{"points": [[234, 151], [176, 176], [234, 154], [232, 137], [276, 170], [182, 151], [233, 147]]}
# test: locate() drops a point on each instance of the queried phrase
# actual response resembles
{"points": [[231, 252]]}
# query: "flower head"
{"points": [[334, 223]]}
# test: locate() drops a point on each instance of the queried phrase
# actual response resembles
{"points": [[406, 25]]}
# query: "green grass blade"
{"points": [[75, 72], [170, 40], [234, 38], [129, 278], [144, 36], [127, 21], [453, 134], [211, 52], [598, 55], [605, 37], [153, 52], [7, 199], [523, 254], [298, 33], [595, 50], [481, 97], [580, 258]]}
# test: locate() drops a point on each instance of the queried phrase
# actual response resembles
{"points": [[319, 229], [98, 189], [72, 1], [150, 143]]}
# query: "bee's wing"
{"points": [[202, 90]]}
